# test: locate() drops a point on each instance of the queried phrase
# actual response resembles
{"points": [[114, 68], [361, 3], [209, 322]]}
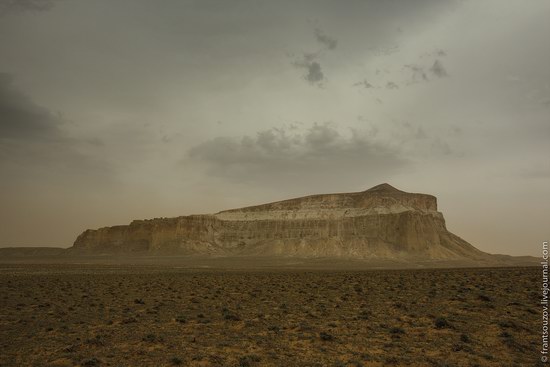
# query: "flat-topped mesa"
{"points": [[381, 199], [381, 222]]}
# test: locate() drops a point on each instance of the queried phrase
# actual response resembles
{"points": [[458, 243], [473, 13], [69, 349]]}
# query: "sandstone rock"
{"points": [[381, 222]]}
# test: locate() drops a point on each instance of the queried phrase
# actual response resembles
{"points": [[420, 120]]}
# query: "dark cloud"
{"points": [[325, 40], [310, 63], [316, 155], [21, 118], [391, 85], [438, 69], [313, 72], [21, 6], [31, 137]]}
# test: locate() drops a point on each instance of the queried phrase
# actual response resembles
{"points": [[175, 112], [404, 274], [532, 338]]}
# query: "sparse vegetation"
{"points": [[397, 330], [176, 361], [249, 360], [441, 323], [165, 316], [485, 298], [91, 362], [229, 315], [181, 319], [151, 338], [464, 338]]}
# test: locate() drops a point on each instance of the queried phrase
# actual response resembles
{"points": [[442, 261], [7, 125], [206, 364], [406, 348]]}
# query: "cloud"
{"points": [[364, 83], [21, 6], [314, 74], [32, 140], [325, 40], [310, 62], [21, 118], [316, 155], [418, 73], [438, 69]]}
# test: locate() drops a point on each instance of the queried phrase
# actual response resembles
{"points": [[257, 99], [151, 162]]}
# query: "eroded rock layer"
{"points": [[381, 222]]}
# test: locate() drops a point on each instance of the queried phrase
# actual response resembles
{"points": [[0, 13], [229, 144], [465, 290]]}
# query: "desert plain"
{"points": [[147, 315]]}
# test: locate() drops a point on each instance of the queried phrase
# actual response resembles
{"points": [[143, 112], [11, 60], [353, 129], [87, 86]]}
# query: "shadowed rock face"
{"points": [[381, 222]]}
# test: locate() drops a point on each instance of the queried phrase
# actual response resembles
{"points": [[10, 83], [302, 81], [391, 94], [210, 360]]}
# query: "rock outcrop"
{"points": [[379, 223]]}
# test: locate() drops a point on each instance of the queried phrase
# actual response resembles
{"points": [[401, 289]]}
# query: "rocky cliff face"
{"points": [[381, 222]]}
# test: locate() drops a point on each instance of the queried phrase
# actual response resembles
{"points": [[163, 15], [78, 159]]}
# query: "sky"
{"points": [[114, 110]]}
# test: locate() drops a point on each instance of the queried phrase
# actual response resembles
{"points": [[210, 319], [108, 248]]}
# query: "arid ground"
{"points": [[91, 315]]}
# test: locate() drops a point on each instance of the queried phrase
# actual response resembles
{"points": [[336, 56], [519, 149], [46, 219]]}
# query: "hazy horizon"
{"points": [[114, 111]]}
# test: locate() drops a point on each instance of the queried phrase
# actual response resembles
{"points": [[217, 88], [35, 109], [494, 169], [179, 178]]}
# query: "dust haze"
{"points": [[111, 112]]}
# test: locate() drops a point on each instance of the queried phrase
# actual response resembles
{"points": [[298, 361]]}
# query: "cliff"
{"points": [[379, 223]]}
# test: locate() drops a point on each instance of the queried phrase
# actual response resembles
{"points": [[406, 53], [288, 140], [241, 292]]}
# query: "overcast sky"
{"points": [[113, 110]]}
